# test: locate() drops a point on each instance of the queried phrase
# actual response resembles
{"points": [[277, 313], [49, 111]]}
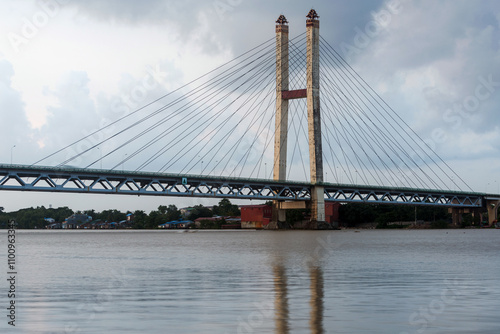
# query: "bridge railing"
{"points": [[80, 180]]}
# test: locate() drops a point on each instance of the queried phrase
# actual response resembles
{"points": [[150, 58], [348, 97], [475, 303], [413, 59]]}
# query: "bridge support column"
{"points": [[476, 216], [314, 118], [456, 216], [318, 205], [281, 125], [492, 207]]}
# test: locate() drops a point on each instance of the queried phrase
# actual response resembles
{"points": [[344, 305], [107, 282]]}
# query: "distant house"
{"points": [[124, 224], [185, 223], [75, 220], [176, 224], [198, 221], [232, 223], [186, 212], [165, 225]]}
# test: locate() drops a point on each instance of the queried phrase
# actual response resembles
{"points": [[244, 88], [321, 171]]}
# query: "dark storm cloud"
{"points": [[457, 40], [240, 24]]}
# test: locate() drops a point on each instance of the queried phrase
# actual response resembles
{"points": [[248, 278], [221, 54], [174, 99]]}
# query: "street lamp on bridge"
{"points": [[11, 153]]}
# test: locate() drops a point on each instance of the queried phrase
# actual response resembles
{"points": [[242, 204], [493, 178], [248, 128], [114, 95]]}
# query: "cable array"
{"points": [[368, 142], [222, 124]]}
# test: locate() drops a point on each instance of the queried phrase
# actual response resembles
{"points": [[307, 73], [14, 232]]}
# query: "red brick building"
{"points": [[332, 212], [255, 216], [258, 216]]}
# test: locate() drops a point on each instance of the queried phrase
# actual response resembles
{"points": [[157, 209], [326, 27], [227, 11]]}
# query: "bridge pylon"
{"points": [[312, 94], [492, 208]]}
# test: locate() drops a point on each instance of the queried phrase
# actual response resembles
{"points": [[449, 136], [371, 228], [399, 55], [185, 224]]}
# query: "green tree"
{"points": [[172, 213], [296, 215], [35, 217], [225, 208], [199, 211], [163, 209], [60, 214], [356, 213], [139, 219], [110, 216], [90, 213], [212, 224], [154, 219]]}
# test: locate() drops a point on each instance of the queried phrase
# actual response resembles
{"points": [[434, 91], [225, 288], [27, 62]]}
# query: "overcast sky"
{"points": [[63, 65]]}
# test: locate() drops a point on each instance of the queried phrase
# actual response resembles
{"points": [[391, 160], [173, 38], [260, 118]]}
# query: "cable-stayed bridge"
{"points": [[213, 136]]}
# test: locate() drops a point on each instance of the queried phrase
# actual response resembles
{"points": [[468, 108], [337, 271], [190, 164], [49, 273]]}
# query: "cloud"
{"points": [[431, 56], [238, 24], [131, 11], [15, 126], [70, 114], [439, 62]]}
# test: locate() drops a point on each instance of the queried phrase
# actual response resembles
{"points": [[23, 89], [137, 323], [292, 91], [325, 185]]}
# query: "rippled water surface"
{"points": [[432, 281]]}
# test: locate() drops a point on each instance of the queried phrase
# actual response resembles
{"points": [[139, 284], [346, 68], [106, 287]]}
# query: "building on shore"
{"points": [[177, 224], [255, 216], [76, 220], [259, 216]]}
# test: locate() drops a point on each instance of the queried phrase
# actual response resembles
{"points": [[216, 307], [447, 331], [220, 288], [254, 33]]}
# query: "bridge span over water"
{"points": [[363, 135], [83, 180]]}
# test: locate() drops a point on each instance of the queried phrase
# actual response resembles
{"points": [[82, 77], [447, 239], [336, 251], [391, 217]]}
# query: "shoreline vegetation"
{"points": [[223, 215]]}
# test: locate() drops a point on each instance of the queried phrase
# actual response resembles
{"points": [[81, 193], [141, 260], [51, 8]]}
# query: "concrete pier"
{"points": [[314, 118], [281, 125], [492, 207]]}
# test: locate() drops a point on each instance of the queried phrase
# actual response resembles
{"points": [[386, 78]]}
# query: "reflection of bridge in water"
{"points": [[282, 315]]}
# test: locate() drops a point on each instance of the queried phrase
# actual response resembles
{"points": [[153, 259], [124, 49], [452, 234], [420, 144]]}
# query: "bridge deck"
{"points": [[79, 180]]}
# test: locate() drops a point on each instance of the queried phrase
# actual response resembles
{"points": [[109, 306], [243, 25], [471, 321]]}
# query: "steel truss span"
{"points": [[80, 180]]}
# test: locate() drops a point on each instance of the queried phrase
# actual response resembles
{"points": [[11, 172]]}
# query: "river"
{"points": [[366, 281]]}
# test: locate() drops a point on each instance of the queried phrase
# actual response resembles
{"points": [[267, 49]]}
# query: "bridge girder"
{"points": [[79, 180]]}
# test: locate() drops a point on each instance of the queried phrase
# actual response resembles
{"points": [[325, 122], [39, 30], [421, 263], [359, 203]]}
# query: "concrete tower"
{"points": [[283, 94], [314, 118], [281, 127]]}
